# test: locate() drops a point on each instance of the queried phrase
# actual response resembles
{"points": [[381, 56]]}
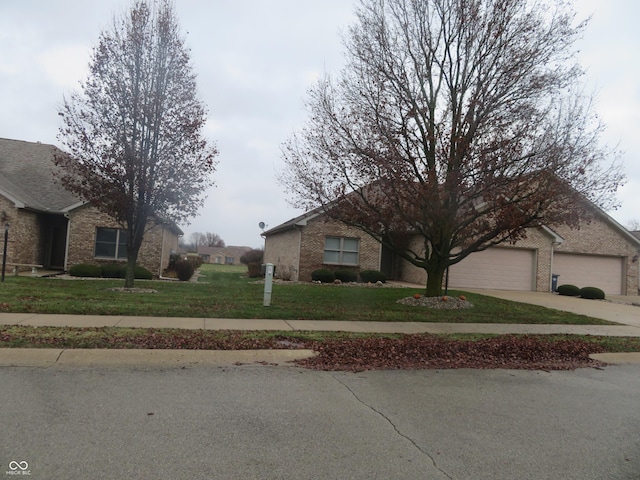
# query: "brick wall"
{"points": [[154, 252], [312, 246], [283, 250], [24, 245], [600, 237]]}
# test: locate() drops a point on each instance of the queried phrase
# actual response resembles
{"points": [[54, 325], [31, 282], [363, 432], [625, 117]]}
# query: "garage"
{"points": [[495, 268], [599, 271]]}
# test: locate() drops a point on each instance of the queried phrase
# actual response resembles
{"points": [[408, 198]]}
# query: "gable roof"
{"points": [[231, 251], [300, 221], [26, 177]]}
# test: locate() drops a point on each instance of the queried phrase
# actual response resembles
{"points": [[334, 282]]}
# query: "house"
{"points": [[222, 255], [51, 227], [601, 253]]}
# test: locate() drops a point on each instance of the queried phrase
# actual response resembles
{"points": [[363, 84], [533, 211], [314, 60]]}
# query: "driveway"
{"points": [[617, 308]]}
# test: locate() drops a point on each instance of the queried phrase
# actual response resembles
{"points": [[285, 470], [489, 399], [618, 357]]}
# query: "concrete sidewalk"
{"points": [[41, 320]]}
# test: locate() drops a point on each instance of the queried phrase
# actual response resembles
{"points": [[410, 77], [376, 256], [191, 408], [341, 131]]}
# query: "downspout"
{"points": [[553, 245], [299, 252]]}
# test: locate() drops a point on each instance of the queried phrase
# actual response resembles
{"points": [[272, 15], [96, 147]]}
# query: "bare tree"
{"points": [[134, 133], [459, 121], [207, 239]]}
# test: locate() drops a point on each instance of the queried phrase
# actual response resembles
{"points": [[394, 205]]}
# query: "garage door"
{"points": [[495, 268], [589, 271]]}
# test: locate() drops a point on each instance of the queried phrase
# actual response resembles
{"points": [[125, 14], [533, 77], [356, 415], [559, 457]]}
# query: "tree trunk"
{"points": [[130, 271], [435, 277]]}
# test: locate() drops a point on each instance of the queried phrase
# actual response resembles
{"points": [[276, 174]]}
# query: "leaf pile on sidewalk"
{"points": [[427, 351]]}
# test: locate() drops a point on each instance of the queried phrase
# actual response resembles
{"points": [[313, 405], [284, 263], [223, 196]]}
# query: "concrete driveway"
{"points": [[617, 308]]}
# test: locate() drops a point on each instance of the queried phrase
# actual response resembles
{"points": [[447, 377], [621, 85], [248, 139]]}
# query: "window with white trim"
{"points": [[341, 250], [111, 243]]}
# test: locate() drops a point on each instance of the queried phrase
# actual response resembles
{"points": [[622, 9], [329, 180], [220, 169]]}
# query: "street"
{"points": [[262, 422]]}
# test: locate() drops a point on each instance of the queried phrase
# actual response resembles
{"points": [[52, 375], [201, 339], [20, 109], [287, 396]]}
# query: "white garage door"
{"points": [[495, 268], [589, 271]]}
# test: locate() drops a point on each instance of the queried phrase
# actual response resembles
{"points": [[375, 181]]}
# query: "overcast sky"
{"points": [[255, 60]]}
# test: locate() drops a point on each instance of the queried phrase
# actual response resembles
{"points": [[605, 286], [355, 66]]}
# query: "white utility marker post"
{"points": [[268, 284]]}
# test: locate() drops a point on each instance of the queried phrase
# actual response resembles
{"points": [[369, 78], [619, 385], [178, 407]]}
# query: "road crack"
{"points": [[394, 426]]}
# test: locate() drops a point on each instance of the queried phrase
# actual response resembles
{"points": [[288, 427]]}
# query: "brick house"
{"points": [[51, 227], [601, 253], [222, 255]]}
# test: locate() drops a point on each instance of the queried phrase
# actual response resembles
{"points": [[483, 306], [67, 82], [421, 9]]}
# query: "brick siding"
{"points": [[312, 246], [283, 250], [154, 253]]}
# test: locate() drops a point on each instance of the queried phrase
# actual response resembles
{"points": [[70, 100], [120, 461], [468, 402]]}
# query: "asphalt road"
{"points": [[261, 422]]}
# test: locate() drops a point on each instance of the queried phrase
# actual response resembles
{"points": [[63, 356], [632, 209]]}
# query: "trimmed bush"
{"points": [[85, 270], [184, 270], [254, 270], [195, 260], [345, 275], [592, 293], [141, 273], [568, 290], [323, 275], [112, 270], [372, 276], [252, 256]]}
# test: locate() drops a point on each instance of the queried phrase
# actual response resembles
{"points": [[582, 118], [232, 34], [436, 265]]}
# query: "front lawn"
{"points": [[227, 293]]}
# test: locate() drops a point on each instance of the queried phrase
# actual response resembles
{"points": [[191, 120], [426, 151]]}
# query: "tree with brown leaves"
{"points": [[459, 122], [133, 135]]}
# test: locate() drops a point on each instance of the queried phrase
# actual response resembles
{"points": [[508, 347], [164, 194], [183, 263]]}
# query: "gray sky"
{"points": [[255, 60]]}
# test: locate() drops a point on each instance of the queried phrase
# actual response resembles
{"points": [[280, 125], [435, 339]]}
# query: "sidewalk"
{"points": [[53, 320]]}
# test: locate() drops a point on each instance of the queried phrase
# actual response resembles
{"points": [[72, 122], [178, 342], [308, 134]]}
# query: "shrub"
{"points": [[112, 270], [592, 293], [346, 275], [142, 273], [568, 290], [372, 276], [85, 270], [252, 256], [195, 260], [323, 275], [254, 270], [184, 270]]}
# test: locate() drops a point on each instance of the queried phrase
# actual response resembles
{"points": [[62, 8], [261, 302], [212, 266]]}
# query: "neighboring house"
{"points": [[601, 254], [222, 255], [51, 227]]}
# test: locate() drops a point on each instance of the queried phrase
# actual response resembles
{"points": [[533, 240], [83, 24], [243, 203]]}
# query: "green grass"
{"points": [[224, 292]]}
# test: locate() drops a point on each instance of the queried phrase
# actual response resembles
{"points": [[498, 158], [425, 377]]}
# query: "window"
{"points": [[341, 251], [229, 260], [111, 243]]}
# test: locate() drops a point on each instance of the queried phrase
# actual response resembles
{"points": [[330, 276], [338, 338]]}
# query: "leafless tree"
{"points": [[133, 133], [207, 239], [459, 121]]}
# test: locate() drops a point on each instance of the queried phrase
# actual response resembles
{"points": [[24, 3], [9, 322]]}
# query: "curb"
{"points": [[629, 358], [48, 357]]}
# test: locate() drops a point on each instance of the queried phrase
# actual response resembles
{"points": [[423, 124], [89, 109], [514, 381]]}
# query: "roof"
{"points": [[300, 221], [235, 252], [26, 177]]}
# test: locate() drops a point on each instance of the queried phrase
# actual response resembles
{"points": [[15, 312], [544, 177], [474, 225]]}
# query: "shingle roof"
{"points": [[26, 176]]}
